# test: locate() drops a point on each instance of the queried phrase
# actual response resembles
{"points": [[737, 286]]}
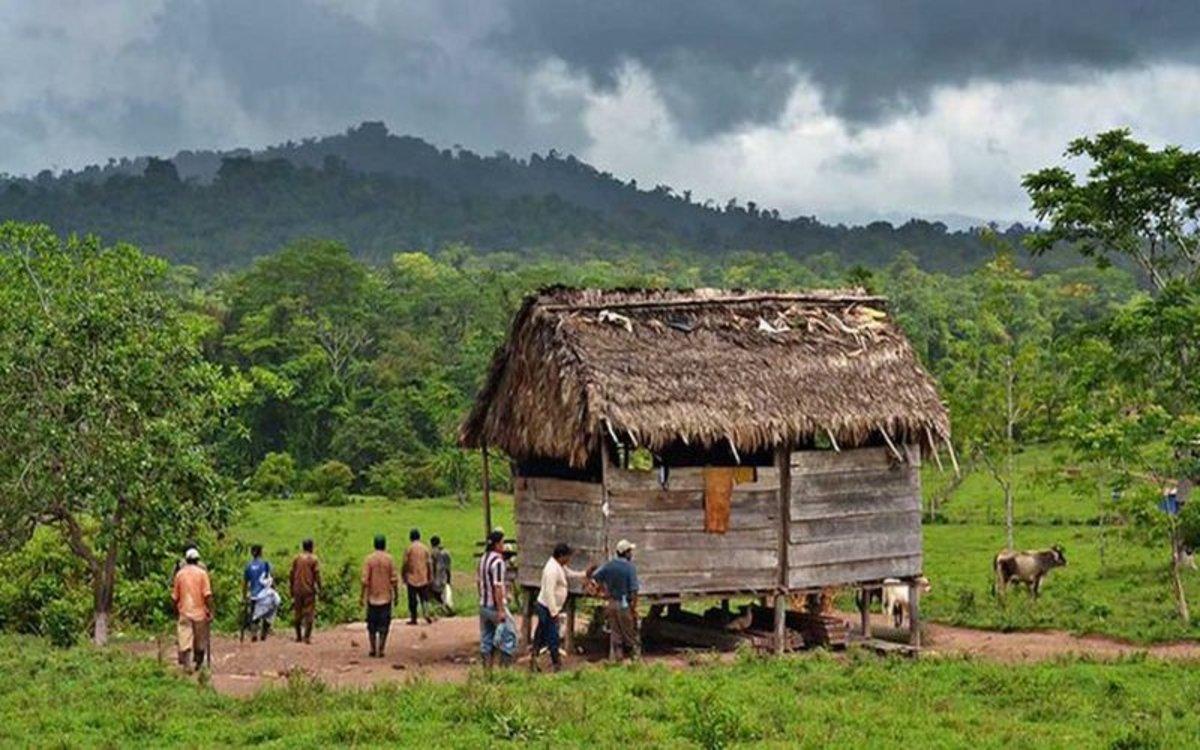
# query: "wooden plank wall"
{"points": [[675, 555], [549, 511], [855, 516]]}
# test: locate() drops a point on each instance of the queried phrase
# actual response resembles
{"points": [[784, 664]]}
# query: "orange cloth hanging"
{"points": [[718, 493]]}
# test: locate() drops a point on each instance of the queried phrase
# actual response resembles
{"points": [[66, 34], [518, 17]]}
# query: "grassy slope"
{"points": [[346, 533], [82, 697]]}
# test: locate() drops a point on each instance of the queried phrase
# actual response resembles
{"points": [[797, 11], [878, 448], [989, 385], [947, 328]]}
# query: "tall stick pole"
{"points": [[487, 494]]}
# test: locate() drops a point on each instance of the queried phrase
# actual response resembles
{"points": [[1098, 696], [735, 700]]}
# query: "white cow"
{"points": [[895, 598]]}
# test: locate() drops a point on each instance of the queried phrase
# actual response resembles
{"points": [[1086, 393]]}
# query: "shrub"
{"points": [[330, 481], [275, 476], [389, 478]]}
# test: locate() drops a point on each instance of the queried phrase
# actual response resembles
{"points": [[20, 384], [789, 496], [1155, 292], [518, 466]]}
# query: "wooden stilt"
{"points": [[527, 620], [914, 615], [864, 612], [780, 622], [569, 636], [487, 494], [725, 606]]}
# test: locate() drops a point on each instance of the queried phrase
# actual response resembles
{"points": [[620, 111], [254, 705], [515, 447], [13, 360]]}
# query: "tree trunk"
{"points": [[106, 578], [1010, 418], [1181, 604]]}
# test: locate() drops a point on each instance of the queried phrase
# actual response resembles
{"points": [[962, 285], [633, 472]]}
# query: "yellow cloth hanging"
{"points": [[744, 474]]}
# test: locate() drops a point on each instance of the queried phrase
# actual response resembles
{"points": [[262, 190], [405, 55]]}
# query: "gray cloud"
{"points": [[711, 84], [871, 59]]}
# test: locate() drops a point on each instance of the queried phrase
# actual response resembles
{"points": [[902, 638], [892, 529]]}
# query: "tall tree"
{"points": [[105, 404], [998, 361]]}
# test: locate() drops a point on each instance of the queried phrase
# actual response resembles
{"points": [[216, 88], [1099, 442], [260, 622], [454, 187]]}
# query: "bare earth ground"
{"points": [[447, 650]]}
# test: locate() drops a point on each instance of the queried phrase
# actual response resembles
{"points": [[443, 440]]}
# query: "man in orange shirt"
{"points": [[380, 587], [193, 597]]}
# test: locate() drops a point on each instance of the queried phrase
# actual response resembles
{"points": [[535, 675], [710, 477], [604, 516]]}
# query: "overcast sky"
{"points": [[843, 109]]}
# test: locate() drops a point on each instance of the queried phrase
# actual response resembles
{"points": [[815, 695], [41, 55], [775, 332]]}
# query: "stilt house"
{"points": [[750, 443]]}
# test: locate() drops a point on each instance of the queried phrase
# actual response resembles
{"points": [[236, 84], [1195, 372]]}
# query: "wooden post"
{"points": [[487, 494], [783, 464], [780, 622], [864, 612], [569, 636], [527, 620], [914, 614], [725, 605]]}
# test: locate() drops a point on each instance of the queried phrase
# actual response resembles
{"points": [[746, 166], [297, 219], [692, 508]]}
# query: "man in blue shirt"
{"points": [[255, 578], [618, 576]]}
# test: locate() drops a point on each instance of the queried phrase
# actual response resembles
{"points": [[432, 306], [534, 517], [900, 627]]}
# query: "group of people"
{"points": [[425, 571], [616, 581]]}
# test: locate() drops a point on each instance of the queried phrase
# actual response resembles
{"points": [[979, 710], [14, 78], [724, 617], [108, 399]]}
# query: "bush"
{"points": [[44, 589], [389, 478], [275, 476], [330, 481]]}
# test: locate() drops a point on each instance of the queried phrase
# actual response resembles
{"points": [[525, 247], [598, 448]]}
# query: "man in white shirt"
{"points": [[550, 602]]}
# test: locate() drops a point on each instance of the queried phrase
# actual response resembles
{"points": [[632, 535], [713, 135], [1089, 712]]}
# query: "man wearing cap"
{"points": [[550, 602], [193, 597], [380, 587], [495, 631], [619, 578]]}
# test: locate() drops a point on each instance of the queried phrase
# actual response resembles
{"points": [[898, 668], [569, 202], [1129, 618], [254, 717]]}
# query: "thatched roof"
{"points": [[653, 368]]}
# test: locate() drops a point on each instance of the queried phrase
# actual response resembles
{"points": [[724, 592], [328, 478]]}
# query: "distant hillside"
{"points": [[380, 193]]}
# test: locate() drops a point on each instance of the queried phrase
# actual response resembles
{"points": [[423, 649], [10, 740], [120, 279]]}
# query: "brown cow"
{"points": [[1028, 567]]}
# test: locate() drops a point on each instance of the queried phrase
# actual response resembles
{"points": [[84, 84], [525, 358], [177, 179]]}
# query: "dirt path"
{"points": [[447, 650]]}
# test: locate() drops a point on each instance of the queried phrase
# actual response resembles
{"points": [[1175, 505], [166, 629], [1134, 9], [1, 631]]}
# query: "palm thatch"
{"points": [[654, 368]]}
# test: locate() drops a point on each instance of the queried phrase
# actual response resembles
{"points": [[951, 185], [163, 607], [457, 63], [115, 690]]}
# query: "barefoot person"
{"points": [[550, 602], [305, 582], [619, 578], [193, 597], [496, 632], [418, 572], [380, 588]]}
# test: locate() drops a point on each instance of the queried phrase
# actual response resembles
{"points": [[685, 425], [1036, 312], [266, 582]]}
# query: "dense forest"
{"points": [[376, 192]]}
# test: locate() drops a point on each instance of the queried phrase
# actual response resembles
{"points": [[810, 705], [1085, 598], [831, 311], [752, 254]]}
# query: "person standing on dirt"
{"points": [[619, 578], [418, 573], [255, 578], [496, 632], [380, 588], [305, 582], [193, 598], [550, 602], [439, 587]]}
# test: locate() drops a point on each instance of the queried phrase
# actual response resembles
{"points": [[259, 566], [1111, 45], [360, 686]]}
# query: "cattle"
{"points": [[1028, 567], [896, 603]]}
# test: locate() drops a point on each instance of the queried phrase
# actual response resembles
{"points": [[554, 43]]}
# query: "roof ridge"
{"points": [[683, 301]]}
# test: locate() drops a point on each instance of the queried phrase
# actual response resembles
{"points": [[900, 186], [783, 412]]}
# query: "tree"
{"points": [[1137, 202], [998, 362], [105, 405]]}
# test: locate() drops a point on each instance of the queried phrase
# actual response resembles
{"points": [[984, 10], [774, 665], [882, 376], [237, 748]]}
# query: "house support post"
{"points": [[569, 635], [864, 612], [783, 464], [527, 621], [914, 614], [487, 494]]}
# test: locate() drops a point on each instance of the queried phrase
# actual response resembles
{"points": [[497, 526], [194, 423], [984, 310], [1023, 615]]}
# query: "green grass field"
{"points": [[345, 534], [81, 697]]}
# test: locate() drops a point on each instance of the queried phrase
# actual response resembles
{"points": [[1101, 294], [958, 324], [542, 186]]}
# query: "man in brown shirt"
{"points": [[380, 587], [305, 581], [193, 597], [418, 574]]}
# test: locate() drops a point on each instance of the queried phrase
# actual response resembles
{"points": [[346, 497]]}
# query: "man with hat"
{"points": [[618, 576], [496, 632], [193, 597]]}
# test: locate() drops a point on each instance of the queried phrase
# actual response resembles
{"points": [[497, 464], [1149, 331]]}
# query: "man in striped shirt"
{"points": [[495, 631]]}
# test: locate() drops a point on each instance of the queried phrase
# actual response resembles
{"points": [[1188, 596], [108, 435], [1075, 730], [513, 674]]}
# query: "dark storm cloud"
{"points": [[721, 63]]}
